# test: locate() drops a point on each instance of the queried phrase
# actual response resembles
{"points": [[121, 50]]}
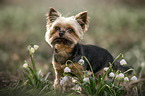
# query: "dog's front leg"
{"points": [[57, 79], [58, 72]]}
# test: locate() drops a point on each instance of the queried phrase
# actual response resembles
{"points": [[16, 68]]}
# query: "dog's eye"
{"points": [[70, 30], [57, 28]]}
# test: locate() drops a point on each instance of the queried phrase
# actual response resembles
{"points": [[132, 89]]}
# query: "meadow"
{"points": [[116, 26]]}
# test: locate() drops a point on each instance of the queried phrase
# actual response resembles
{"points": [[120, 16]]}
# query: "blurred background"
{"points": [[116, 25]]}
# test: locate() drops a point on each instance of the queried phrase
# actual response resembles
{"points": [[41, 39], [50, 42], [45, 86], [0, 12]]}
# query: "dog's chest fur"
{"points": [[62, 53]]}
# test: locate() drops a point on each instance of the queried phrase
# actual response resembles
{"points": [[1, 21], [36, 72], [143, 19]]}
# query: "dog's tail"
{"points": [[122, 68]]}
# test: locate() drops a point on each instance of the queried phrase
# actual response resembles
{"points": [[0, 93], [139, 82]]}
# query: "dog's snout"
{"points": [[61, 33]]}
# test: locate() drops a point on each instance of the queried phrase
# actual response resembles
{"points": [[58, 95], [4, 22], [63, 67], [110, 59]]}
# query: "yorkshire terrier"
{"points": [[63, 34]]}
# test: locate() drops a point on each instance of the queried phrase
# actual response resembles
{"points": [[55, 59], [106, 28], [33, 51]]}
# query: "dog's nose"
{"points": [[61, 33]]}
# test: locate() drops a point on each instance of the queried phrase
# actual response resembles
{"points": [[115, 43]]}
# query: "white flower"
{"points": [[117, 76], [77, 87], [142, 64], [32, 50], [89, 72], [74, 80], [63, 80], [126, 79], [67, 69], [111, 74], [106, 68], [40, 73], [121, 75], [133, 78], [113, 85], [25, 65], [86, 79], [36, 47], [123, 62], [81, 62]]}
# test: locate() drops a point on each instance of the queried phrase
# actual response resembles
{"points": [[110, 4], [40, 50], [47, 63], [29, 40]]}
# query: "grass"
{"points": [[116, 27], [34, 83]]}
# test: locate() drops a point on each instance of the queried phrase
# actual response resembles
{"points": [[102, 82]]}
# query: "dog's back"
{"points": [[97, 56]]}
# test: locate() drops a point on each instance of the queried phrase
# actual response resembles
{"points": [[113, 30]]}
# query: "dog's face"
{"points": [[65, 31]]}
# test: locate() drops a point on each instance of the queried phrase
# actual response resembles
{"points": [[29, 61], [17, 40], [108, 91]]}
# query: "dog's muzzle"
{"points": [[61, 33]]}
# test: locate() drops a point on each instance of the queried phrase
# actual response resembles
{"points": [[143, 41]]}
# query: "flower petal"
{"points": [[133, 78], [123, 62], [25, 65], [67, 69], [81, 62], [111, 74]]}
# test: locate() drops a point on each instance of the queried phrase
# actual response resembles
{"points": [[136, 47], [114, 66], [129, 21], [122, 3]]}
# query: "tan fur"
{"points": [[64, 22], [59, 70], [63, 51], [101, 73]]}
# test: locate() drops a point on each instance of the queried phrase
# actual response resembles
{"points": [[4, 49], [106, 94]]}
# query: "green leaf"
{"points": [[47, 76], [35, 76], [43, 88], [50, 93], [27, 77], [33, 64], [104, 87], [26, 70]]}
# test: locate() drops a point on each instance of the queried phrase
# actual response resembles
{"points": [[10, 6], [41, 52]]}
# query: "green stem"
{"points": [[33, 64], [104, 87], [31, 56], [100, 84], [114, 77], [128, 70], [117, 57], [76, 68], [89, 65], [119, 83]]}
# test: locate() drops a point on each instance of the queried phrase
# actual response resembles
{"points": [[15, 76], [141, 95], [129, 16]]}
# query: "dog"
{"points": [[63, 35]]}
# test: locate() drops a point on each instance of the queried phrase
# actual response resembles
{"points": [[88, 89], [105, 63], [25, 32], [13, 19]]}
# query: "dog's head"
{"points": [[65, 30]]}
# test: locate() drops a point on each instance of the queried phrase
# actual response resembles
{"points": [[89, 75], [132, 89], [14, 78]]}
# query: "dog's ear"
{"points": [[82, 19], [52, 15]]}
